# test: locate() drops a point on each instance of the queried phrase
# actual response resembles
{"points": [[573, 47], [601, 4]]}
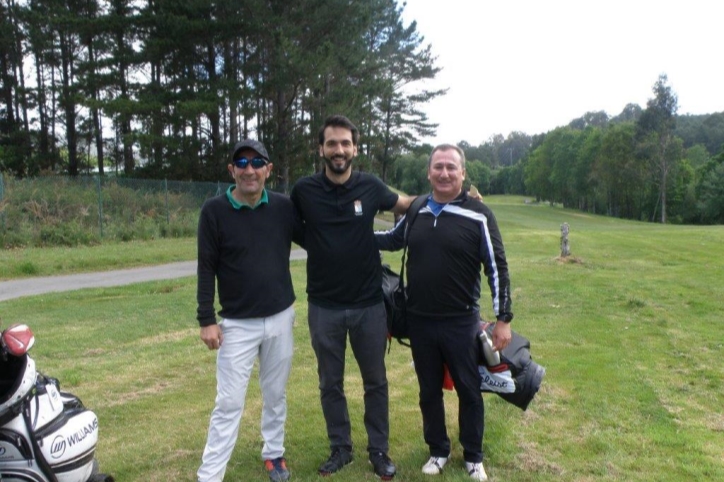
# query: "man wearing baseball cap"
{"points": [[244, 242]]}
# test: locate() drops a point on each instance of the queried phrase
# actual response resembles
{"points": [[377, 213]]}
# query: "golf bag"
{"points": [[46, 435], [511, 373]]}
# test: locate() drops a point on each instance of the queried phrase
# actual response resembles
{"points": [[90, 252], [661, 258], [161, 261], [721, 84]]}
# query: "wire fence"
{"points": [[64, 211]]}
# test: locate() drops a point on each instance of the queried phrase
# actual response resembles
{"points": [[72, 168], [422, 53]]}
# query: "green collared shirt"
{"points": [[238, 205]]}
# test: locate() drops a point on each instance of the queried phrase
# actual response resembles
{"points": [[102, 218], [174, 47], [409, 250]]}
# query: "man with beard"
{"points": [[344, 277]]}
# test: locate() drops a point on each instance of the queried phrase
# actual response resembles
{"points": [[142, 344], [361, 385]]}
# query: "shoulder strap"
{"points": [[410, 217], [411, 214]]}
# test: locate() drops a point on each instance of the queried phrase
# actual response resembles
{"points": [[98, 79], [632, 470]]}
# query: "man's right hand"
{"points": [[212, 336]]}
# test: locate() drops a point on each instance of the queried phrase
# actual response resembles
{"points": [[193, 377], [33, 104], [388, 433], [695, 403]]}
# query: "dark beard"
{"points": [[337, 170]]}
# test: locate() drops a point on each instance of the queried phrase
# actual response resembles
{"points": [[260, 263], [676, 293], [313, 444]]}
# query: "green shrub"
{"points": [[70, 233], [27, 268], [62, 211]]}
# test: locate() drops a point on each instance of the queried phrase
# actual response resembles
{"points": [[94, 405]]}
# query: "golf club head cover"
{"points": [[17, 339]]}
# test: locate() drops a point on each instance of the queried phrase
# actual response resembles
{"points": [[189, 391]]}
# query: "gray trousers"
{"points": [[367, 328], [270, 340]]}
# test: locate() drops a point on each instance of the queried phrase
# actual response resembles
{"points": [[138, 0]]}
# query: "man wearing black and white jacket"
{"points": [[452, 236]]}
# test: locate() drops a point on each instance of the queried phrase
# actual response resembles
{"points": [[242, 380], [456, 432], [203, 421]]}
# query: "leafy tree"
{"points": [[564, 144], [630, 113], [401, 61], [483, 153], [8, 56], [91, 80], [539, 167], [413, 174], [66, 27], [513, 148], [509, 179], [710, 191], [697, 155], [495, 143], [180, 81], [682, 198], [619, 172], [590, 119], [124, 26], [584, 186], [713, 132], [15, 137], [656, 136], [40, 38], [706, 130], [477, 174]]}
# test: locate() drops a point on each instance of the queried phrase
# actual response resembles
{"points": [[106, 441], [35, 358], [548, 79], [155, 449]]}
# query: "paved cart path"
{"points": [[36, 286]]}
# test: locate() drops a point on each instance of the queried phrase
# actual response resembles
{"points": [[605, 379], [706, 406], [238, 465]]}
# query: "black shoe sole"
{"points": [[327, 474], [383, 477]]}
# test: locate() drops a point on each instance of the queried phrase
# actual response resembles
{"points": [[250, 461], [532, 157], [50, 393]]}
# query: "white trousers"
{"points": [[270, 339]]}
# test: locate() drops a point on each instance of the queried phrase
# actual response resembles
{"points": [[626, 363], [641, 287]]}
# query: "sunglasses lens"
{"points": [[256, 163]]}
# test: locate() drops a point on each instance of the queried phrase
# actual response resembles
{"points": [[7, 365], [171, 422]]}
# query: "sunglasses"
{"points": [[256, 163]]}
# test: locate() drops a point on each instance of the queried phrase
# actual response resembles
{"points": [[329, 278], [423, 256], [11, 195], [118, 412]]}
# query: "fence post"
{"points": [[100, 205], [2, 197], [168, 214]]}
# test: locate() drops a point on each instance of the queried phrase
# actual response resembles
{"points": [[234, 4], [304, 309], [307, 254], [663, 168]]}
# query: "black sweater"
{"points": [[247, 252]]}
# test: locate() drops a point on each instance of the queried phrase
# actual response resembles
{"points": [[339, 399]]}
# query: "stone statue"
{"points": [[565, 247]]}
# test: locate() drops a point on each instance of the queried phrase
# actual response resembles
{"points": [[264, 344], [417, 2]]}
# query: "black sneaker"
{"points": [[384, 468], [338, 459]]}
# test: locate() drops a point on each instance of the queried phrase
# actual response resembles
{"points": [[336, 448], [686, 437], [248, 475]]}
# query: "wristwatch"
{"points": [[505, 317]]}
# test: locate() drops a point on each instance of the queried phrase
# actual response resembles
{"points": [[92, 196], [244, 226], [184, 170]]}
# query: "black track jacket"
{"points": [[444, 258]]}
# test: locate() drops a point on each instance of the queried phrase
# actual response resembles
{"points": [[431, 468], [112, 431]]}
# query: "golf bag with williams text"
{"points": [[46, 435]]}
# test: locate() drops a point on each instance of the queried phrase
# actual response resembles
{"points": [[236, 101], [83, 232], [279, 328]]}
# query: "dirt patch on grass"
{"points": [[172, 336], [532, 460], [715, 423], [546, 401], [568, 260], [126, 397]]}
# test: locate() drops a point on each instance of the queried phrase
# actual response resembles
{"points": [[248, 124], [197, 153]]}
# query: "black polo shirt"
{"points": [[343, 262]]}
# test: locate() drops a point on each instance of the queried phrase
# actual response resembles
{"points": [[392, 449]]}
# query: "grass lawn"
{"points": [[629, 330]]}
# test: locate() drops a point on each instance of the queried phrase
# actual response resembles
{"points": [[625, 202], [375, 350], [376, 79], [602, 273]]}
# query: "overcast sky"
{"points": [[534, 65]]}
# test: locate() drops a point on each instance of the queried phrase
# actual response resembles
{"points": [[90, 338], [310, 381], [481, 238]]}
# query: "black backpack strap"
{"points": [[412, 212], [410, 217]]}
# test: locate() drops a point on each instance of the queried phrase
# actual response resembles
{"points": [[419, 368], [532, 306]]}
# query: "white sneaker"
{"points": [[476, 471], [434, 465]]}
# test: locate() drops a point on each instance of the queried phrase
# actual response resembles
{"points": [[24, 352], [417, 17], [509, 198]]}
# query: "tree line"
{"points": [[164, 88], [637, 168], [647, 164]]}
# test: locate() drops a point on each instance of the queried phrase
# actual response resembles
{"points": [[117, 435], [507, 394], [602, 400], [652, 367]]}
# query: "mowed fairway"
{"points": [[629, 330]]}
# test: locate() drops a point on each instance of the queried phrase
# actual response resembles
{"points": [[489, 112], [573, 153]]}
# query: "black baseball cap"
{"points": [[250, 144]]}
